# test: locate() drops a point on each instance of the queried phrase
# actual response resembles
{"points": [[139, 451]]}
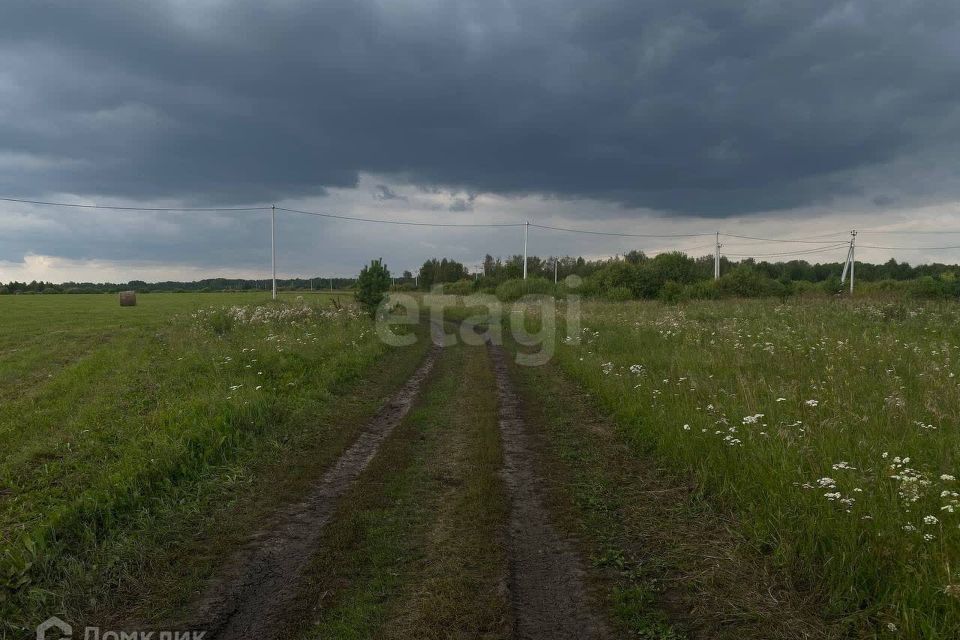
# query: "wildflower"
{"points": [[947, 477], [686, 427], [842, 465], [259, 387], [811, 403], [909, 527], [928, 537], [930, 520], [781, 399], [827, 482]]}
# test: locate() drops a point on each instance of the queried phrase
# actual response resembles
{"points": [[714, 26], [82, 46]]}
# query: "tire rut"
{"points": [[546, 577], [251, 596]]}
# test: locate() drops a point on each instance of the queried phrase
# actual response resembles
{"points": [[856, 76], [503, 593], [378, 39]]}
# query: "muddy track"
{"points": [[546, 579], [251, 595]]}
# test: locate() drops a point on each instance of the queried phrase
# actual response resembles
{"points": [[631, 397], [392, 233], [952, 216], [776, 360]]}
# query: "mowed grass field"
{"points": [[830, 428], [117, 424]]}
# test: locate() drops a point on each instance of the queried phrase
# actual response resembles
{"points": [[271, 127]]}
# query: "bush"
{"points": [[221, 322], [934, 288], [802, 287], [589, 287], [648, 281], [515, 289], [703, 290], [459, 288], [372, 286], [672, 292], [617, 275], [618, 294], [746, 282], [831, 285]]}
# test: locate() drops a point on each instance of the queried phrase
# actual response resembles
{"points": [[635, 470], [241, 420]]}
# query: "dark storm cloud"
{"points": [[703, 108], [383, 193]]}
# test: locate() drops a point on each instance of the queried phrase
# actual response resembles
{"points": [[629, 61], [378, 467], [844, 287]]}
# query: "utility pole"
{"points": [[556, 262], [716, 259], [526, 229], [273, 246], [331, 285], [853, 256], [851, 259]]}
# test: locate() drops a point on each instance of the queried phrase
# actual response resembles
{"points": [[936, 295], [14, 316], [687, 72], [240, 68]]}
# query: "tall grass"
{"points": [[99, 437], [832, 428]]}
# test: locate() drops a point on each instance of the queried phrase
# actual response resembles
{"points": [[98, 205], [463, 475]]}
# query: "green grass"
{"points": [[825, 426], [667, 562], [112, 418]]}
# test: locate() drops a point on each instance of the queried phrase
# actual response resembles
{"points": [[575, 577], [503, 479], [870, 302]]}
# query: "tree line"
{"points": [[676, 275], [198, 286], [633, 275]]}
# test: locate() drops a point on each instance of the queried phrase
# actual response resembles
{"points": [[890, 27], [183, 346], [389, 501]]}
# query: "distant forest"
{"points": [[633, 275], [199, 286]]}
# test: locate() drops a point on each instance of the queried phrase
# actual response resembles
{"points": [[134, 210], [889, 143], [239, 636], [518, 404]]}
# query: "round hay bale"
{"points": [[128, 298]]}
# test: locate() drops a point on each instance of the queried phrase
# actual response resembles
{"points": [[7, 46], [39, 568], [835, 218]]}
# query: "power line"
{"points": [[119, 208], [871, 246], [623, 235], [907, 231], [797, 240], [808, 240], [822, 243], [801, 252], [699, 246], [402, 222]]}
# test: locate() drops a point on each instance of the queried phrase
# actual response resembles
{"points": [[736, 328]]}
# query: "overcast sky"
{"points": [[764, 118]]}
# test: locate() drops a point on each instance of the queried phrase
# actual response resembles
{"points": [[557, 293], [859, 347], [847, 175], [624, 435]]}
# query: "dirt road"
{"points": [[445, 518]]}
